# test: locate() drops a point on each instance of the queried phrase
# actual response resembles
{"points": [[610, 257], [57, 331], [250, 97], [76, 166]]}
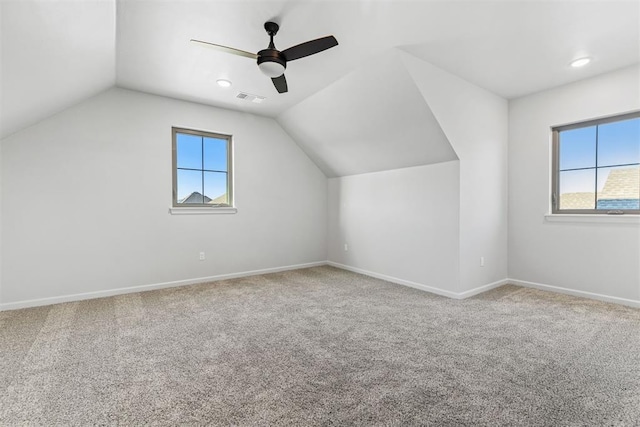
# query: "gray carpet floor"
{"points": [[321, 346]]}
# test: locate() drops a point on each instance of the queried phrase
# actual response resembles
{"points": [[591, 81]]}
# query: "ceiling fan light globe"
{"points": [[271, 69]]}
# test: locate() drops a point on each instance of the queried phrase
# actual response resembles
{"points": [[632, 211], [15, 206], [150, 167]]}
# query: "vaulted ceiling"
{"points": [[367, 130], [57, 53], [52, 56]]}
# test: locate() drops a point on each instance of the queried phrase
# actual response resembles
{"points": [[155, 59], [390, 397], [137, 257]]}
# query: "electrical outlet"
{"points": [[481, 261], [346, 247], [201, 256]]}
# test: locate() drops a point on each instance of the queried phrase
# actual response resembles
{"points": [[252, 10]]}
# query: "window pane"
{"points": [[215, 187], [578, 148], [189, 151], [619, 143], [577, 189], [189, 186], [619, 188], [215, 154]]}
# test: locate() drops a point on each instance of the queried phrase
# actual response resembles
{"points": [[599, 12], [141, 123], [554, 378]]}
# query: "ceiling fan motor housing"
{"points": [[271, 62]]}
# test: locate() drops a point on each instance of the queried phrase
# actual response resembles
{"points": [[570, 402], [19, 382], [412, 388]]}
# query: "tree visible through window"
{"points": [[201, 168], [597, 166]]}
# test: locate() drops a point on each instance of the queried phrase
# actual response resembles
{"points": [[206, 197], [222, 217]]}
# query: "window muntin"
{"points": [[596, 166], [202, 169]]}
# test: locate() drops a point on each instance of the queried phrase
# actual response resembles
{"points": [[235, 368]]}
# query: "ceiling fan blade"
{"points": [[227, 49], [280, 83], [309, 48]]}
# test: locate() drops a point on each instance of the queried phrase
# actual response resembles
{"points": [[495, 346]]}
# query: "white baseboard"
{"points": [[391, 279], [151, 287], [420, 286], [576, 293], [482, 289], [485, 288]]}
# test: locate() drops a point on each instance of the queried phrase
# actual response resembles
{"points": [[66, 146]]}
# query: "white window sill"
{"points": [[202, 211], [618, 219]]}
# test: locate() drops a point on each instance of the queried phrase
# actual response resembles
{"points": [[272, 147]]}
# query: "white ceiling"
{"points": [[526, 47], [55, 53], [368, 130], [52, 55], [508, 47]]}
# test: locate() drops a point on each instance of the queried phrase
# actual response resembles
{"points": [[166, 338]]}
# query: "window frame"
{"points": [[174, 160], [555, 164]]}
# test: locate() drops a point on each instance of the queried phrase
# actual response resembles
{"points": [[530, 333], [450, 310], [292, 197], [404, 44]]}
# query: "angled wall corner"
{"points": [[475, 121], [371, 120], [401, 225], [393, 192]]}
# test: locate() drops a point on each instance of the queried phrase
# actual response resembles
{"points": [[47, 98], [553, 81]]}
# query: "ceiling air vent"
{"points": [[256, 99]]}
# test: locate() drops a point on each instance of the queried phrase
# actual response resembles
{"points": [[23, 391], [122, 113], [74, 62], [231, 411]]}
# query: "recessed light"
{"points": [[580, 62], [223, 83]]}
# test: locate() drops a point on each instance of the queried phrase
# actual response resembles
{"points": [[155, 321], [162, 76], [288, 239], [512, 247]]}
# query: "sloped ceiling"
{"points": [[527, 46], [56, 53], [53, 55], [155, 55], [508, 47], [372, 119]]}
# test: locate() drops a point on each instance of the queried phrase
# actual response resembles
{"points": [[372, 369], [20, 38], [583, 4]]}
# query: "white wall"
{"points": [[401, 223], [449, 216], [1, 133], [1, 262], [86, 196], [475, 122], [601, 258]]}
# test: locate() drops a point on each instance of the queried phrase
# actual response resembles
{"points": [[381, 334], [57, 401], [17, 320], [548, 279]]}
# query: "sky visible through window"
{"points": [[202, 166], [618, 147]]}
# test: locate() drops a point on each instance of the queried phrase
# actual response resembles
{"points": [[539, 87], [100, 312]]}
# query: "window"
{"points": [[202, 175], [596, 166]]}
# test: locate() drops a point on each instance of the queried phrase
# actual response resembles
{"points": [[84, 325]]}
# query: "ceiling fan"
{"points": [[273, 62]]}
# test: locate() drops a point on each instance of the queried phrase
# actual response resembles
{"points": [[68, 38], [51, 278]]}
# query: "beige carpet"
{"points": [[321, 346]]}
